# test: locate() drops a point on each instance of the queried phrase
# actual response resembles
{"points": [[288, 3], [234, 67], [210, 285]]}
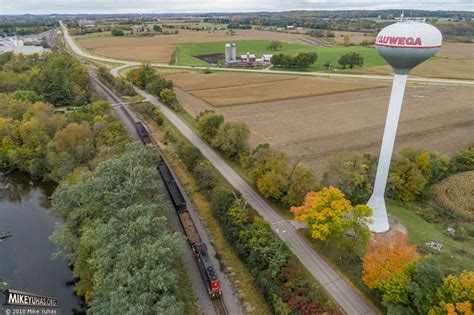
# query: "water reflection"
{"points": [[25, 258]]}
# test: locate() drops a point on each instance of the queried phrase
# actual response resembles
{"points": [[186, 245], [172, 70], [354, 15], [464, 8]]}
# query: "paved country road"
{"points": [[341, 292], [128, 63]]}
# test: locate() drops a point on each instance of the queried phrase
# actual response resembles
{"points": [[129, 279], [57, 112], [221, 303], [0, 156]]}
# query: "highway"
{"points": [[128, 63], [342, 293]]}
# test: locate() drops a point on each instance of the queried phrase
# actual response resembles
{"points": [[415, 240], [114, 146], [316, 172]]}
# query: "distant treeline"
{"points": [[22, 26]]}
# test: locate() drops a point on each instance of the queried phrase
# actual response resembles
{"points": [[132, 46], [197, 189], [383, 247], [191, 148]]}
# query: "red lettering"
{"points": [[410, 41], [393, 40], [417, 41], [401, 41]]}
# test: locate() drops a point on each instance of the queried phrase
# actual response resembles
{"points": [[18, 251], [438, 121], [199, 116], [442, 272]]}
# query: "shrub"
{"points": [[204, 175], [463, 160], [189, 154]]}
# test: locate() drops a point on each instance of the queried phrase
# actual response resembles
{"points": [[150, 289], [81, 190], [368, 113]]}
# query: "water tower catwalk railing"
{"points": [[404, 45]]}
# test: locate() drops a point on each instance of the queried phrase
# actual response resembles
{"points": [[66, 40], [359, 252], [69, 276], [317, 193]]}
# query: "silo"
{"points": [[228, 53], [403, 45], [234, 52]]}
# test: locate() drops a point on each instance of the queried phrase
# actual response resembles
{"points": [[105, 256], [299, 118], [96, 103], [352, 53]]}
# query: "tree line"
{"points": [[58, 78], [46, 144], [113, 228], [116, 236], [304, 60], [146, 78]]}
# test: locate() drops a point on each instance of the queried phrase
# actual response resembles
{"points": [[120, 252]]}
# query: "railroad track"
{"points": [[219, 306]]}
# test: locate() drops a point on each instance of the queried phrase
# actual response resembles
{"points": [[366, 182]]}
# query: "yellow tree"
{"points": [[456, 295], [330, 215]]}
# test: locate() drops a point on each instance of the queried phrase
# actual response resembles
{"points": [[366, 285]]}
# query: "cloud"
{"points": [[186, 6]]}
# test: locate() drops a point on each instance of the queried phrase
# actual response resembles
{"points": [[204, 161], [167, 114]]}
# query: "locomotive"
{"points": [[199, 248]]}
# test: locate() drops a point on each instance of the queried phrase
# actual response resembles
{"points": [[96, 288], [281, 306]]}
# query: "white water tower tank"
{"points": [[228, 53], [403, 45]]}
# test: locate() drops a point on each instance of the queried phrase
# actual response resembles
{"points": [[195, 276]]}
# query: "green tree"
{"points": [[302, 180], [203, 173], [265, 159], [208, 123], [406, 180], [351, 59], [463, 160], [353, 173], [157, 28], [62, 81], [232, 139], [27, 95], [272, 185], [117, 32], [168, 96], [275, 45]]}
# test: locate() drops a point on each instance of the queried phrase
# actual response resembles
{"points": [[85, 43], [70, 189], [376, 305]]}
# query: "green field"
{"points": [[455, 255], [259, 47]]}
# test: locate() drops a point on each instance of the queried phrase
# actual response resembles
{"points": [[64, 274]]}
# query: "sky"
{"points": [[189, 6]]}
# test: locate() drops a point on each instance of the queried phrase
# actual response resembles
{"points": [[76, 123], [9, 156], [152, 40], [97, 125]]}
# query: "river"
{"points": [[26, 262]]}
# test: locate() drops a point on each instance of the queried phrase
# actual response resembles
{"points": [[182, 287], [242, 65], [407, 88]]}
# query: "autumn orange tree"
{"points": [[330, 216], [388, 264], [456, 295]]}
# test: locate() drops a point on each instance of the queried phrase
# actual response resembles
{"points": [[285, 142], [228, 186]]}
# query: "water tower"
{"points": [[403, 45]]}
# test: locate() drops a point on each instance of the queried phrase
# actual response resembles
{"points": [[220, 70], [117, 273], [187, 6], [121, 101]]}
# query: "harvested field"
{"points": [[194, 81], [159, 48], [435, 68], [231, 89], [315, 128], [457, 50], [456, 193]]}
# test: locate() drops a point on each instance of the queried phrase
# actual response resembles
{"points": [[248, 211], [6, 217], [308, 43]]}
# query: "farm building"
{"points": [[248, 58]]}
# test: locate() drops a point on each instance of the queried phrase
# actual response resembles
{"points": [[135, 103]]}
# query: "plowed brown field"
{"points": [[231, 89], [315, 128]]}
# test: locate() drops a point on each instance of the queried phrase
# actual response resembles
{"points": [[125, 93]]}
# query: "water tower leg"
{"points": [[377, 201]]}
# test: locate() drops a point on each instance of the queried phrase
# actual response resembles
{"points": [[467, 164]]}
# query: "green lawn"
{"points": [[455, 255], [259, 47]]}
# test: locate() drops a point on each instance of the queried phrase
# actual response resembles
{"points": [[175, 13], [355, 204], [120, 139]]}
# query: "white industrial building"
{"points": [[25, 50]]}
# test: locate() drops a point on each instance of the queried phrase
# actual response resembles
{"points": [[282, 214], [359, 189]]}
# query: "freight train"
{"points": [[197, 245], [199, 248]]}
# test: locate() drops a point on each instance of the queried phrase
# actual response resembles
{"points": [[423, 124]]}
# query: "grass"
{"points": [[259, 47], [455, 255]]}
